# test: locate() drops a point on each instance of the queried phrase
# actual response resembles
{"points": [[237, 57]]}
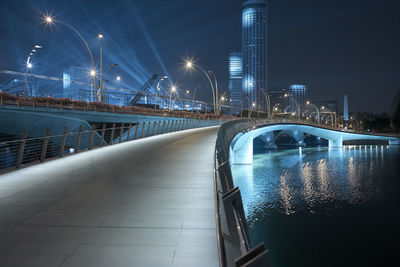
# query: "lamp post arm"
{"points": [[211, 83], [86, 44]]}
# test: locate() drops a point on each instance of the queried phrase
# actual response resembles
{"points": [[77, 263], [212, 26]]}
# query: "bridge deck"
{"points": [[147, 202]]}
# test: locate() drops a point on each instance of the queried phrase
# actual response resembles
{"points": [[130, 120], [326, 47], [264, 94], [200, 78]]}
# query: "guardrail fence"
{"points": [[21, 152]]}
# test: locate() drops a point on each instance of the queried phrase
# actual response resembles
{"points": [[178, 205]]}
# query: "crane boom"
{"points": [[144, 88]]}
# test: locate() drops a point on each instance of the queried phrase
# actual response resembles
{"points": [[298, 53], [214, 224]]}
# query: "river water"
{"points": [[324, 207]]}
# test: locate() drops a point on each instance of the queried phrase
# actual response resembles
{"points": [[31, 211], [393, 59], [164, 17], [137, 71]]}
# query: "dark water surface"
{"points": [[324, 207]]}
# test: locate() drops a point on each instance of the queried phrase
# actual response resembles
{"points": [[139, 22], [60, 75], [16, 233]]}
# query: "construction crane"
{"points": [[143, 89]]}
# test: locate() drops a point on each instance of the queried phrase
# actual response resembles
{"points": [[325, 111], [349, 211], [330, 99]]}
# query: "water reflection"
{"points": [[316, 198], [301, 179]]}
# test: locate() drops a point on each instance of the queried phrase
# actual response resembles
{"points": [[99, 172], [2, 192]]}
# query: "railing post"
{"points": [[91, 137], [44, 147], [163, 127], [158, 127], [129, 132], [121, 132], [112, 134], [172, 126], [78, 139], [177, 125], [143, 126], [103, 131], [21, 149], [154, 128], [166, 130], [148, 128], [62, 145], [137, 125]]}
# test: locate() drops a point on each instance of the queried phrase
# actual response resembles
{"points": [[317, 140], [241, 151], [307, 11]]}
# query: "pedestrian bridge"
{"points": [[241, 148]]}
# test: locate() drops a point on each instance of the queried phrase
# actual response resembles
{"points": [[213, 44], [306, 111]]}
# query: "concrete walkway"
{"points": [[147, 202]]}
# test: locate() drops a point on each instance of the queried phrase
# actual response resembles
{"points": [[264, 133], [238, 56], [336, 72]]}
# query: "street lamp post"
{"points": [[251, 110], [118, 78], [317, 109], [194, 92], [189, 65], [28, 67], [101, 68], [268, 99], [50, 20], [295, 101], [173, 89]]}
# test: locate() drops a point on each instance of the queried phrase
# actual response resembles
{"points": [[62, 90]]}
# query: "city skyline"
{"points": [[346, 47]]}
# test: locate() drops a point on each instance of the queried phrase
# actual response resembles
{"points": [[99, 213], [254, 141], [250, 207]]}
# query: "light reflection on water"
{"points": [[285, 188]]}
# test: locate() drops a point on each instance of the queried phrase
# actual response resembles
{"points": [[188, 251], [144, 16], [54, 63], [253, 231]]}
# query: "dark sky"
{"points": [[334, 47]]}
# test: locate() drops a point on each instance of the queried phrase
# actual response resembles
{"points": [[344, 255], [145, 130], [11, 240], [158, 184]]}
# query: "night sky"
{"points": [[334, 47]]}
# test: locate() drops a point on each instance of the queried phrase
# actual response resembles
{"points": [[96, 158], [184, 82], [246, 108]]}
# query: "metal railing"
{"points": [[15, 154], [234, 245]]}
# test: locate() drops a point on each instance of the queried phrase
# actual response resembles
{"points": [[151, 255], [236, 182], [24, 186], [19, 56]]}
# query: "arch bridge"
{"points": [[241, 148]]}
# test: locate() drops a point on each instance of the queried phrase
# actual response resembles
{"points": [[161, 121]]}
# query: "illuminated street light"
{"points": [[187, 91], [173, 89], [50, 20], [101, 68], [189, 65], [118, 78], [29, 66], [317, 109]]}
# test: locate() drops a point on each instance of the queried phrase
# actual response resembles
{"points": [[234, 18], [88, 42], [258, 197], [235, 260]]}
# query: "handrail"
{"points": [[15, 154], [233, 239]]}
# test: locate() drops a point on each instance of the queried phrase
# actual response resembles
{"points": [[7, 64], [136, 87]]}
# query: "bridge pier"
{"points": [[394, 142], [336, 143], [242, 152]]}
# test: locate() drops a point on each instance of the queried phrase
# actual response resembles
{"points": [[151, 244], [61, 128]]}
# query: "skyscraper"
{"points": [[297, 96], [254, 53], [235, 82]]}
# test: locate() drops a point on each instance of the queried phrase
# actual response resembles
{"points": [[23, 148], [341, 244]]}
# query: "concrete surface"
{"points": [[148, 202]]}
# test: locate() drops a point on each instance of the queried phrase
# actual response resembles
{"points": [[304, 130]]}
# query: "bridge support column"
{"points": [[242, 152], [336, 143], [394, 142]]}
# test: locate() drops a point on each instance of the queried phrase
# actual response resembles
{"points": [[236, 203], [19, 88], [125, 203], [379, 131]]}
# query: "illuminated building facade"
{"points": [[297, 97], [254, 52], [235, 82]]}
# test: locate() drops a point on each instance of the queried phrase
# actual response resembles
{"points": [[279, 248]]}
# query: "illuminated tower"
{"points": [[254, 53], [235, 82]]}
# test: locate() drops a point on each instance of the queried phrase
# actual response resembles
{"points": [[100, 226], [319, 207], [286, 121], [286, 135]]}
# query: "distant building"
{"points": [[235, 82], [297, 97], [81, 90], [17, 87], [254, 52], [278, 100], [345, 109]]}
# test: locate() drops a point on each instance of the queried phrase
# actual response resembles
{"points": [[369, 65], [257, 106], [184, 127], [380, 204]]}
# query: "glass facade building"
{"points": [[235, 82], [297, 97], [254, 53]]}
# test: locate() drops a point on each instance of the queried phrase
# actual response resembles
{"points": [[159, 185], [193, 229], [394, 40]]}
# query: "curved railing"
{"points": [[234, 245]]}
